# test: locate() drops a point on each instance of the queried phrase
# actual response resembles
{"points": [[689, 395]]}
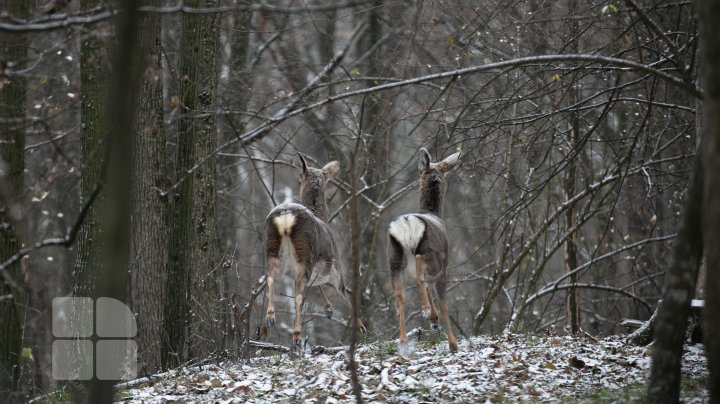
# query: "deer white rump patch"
{"points": [[284, 223], [408, 230]]}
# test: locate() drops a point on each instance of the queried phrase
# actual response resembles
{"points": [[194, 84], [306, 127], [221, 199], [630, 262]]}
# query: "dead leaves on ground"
{"points": [[496, 369]]}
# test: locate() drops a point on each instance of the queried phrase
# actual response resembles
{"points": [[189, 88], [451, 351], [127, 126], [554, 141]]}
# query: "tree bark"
{"points": [[573, 302], [150, 216], [697, 228], [116, 215], [13, 48], [193, 296], [709, 12], [378, 147], [94, 79], [679, 286]]}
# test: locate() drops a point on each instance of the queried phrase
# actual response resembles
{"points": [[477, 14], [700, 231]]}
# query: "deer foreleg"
{"points": [[273, 263]]}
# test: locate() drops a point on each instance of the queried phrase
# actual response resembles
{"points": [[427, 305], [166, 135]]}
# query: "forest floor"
{"points": [[515, 368]]}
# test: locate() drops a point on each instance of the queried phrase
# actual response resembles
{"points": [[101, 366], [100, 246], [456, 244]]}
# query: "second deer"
{"points": [[298, 233], [418, 247]]}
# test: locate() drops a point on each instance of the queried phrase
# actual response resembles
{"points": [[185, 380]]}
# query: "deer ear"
{"points": [[331, 169], [449, 162], [424, 160], [303, 163]]}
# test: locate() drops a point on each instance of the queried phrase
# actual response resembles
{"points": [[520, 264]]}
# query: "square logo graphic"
{"points": [[72, 359], [93, 338], [72, 317], [115, 359]]}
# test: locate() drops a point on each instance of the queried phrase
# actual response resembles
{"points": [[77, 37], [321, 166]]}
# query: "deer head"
{"points": [[432, 181], [313, 184]]}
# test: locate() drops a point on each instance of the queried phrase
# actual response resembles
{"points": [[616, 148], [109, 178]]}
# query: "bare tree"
{"points": [[13, 125], [149, 255], [193, 290]]}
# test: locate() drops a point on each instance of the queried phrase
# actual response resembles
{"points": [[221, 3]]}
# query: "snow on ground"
{"points": [[486, 369]]}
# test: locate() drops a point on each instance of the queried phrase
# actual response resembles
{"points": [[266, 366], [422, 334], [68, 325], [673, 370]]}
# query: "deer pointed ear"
{"points": [[424, 160], [303, 163], [331, 169], [449, 162]]}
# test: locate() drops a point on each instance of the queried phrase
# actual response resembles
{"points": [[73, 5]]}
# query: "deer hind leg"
{"points": [[300, 281], [328, 305], [397, 275], [273, 264], [426, 304], [440, 290]]}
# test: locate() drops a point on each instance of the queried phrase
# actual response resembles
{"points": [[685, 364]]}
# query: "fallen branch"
{"points": [[267, 346]]}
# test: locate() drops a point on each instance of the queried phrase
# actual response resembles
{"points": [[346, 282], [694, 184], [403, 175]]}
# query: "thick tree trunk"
{"points": [[94, 79], [150, 217], [699, 226], [193, 292], [13, 48], [709, 12], [679, 287], [378, 147], [116, 215], [234, 93]]}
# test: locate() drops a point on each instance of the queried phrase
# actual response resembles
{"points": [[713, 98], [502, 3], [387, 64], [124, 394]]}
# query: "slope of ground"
{"points": [[487, 369]]}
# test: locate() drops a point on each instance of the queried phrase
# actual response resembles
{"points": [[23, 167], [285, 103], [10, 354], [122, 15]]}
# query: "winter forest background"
{"points": [[142, 156]]}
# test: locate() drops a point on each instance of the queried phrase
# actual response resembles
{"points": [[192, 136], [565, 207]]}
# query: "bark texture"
{"points": [[13, 52], [190, 318], [150, 216], [709, 12]]}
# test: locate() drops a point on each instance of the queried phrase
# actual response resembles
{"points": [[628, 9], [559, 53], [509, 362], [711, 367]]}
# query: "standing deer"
{"points": [[418, 246], [299, 231]]}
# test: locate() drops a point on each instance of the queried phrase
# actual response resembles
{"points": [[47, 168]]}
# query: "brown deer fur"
{"points": [[418, 246], [299, 232]]}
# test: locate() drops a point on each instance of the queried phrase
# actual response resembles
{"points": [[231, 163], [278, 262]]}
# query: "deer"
{"points": [[418, 247], [299, 233]]}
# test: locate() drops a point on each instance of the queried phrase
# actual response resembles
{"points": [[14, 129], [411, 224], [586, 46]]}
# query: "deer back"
{"points": [[303, 225]]}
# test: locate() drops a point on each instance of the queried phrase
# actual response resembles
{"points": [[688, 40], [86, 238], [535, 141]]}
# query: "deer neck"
{"points": [[314, 199], [432, 198]]}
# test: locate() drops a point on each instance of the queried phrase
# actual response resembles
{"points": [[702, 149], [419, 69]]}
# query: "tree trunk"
{"points": [[235, 93], [94, 79], [116, 215], [699, 224], [675, 306], [709, 12], [355, 303], [573, 302], [378, 148], [150, 216], [193, 296], [13, 48]]}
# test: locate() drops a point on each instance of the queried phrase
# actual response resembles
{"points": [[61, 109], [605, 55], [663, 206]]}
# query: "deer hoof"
{"points": [[270, 319], [404, 349], [297, 347], [328, 311]]}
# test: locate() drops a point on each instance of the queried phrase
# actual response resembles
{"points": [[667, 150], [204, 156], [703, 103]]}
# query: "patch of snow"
{"points": [[486, 369]]}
